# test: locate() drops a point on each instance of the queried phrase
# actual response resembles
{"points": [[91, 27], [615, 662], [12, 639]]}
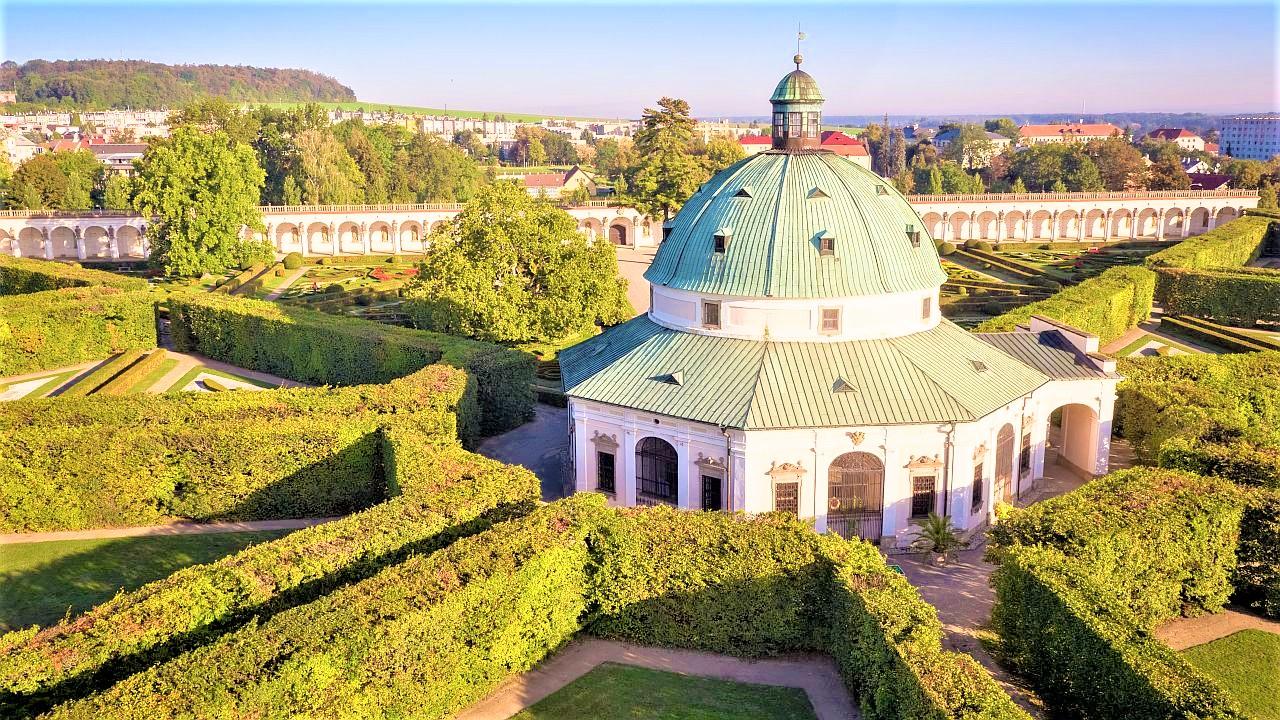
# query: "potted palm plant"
{"points": [[939, 538]]}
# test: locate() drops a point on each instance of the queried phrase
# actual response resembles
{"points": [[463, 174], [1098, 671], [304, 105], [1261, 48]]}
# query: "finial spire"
{"points": [[798, 58]]}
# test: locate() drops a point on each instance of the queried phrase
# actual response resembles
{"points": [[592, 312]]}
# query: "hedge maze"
{"points": [[1206, 275]]}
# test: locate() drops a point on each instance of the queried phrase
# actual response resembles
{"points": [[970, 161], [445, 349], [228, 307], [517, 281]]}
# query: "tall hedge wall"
{"points": [[57, 328], [1234, 244], [19, 276], [1204, 276], [1215, 414], [1082, 646], [73, 463], [441, 491], [1163, 541], [1085, 577], [421, 639], [315, 347], [1107, 305], [766, 585]]}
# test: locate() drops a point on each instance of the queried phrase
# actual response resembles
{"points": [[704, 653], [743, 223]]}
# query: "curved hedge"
{"points": [[1107, 305], [73, 463], [313, 347], [441, 491]]}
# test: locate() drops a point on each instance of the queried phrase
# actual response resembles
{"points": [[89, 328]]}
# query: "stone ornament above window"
{"points": [[604, 441], [710, 463], [857, 437], [924, 462], [781, 472], [979, 452]]}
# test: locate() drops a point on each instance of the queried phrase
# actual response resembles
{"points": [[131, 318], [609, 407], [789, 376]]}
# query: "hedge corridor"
{"points": [[1205, 276], [1085, 577]]}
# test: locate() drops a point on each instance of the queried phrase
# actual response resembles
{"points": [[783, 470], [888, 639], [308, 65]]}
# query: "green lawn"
{"points": [[154, 376], [40, 581], [1246, 664], [198, 370], [612, 692]]}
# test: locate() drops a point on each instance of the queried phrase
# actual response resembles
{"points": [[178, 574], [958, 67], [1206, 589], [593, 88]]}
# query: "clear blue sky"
{"points": [[724, 58]]}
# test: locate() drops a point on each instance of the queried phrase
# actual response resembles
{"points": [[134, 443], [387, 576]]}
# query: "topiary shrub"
{"points": [[293, 261], [946, 248]]}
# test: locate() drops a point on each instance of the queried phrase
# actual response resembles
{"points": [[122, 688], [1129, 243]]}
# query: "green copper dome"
{"points": [[797, 225], [796, 86]]}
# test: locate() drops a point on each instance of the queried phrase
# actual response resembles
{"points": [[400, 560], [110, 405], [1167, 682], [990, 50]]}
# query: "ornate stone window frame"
{"points": [[718, 468], [925, 466], [606, 443], [786, 472]]}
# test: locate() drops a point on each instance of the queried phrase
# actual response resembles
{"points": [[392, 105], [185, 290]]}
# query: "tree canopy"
{"points": [[510, 268], [202, 189], [667, 174]]}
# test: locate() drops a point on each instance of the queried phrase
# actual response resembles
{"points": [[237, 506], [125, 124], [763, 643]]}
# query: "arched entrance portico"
{"points": [[657, 474], [1072, 439], [855, 496]]}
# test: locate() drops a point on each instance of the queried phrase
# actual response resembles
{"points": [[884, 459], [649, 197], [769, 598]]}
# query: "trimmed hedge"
{"points": [[312, 347], [124, 382], [73, 463], [1107, 305], [1242, 296], [1232, 245], [103, 375], [1162, 541], [1083, 648], [766, 585], [54, 329], [1215, 334], [441, 492], [421, 639], [20, 276], [1196, 411], [244, 276], [1258, 572]]}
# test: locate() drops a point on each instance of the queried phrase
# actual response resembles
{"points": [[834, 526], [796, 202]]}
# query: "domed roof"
{"points": [[796, 86], [775, 211]]}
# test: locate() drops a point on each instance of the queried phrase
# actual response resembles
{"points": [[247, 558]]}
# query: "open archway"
{"points": [[1072, 439], [129, 241], [855, 496], [620, 232], [30, 242]]}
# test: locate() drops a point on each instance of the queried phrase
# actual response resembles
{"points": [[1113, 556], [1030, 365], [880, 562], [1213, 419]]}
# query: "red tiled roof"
{"points": [[1211, 147], [1070, 130], [843, 145], [1170, 133], [1208, 181], [544, 180], [755, 140], [111, 148], [69, 145]]}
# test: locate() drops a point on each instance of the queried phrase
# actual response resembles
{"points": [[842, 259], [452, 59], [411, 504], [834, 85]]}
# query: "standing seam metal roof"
{"points": [[925, 377], [774, 249]]}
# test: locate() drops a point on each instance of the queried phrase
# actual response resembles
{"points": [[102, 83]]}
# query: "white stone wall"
{"points": [[949, 452]]}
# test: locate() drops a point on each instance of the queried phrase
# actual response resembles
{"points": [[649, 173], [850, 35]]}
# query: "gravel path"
{"points": [[171, 529]]}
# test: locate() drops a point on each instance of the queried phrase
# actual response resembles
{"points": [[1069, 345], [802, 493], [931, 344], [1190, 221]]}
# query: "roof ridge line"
{"points": [[773, 232], [884, 284], [765, 350]]}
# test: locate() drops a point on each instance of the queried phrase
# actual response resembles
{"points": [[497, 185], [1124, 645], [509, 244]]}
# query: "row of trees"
{"points": [[62, 181]]}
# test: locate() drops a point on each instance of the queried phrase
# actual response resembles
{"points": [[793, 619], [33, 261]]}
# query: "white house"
{"points": [[794, 359], [1066, 132], [1186, 140]]}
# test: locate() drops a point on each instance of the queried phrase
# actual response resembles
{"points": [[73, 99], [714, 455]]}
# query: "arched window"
{"points": [[855, 496], [1004, 464], [656, 474]]}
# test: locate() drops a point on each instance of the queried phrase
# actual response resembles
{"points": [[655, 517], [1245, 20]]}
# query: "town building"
{"points": [[1251, 137], [845, 146], [974, 158], [1185, 139], [118, 157], [1209, 181], [18, 147], [555, 184], [752, 144], [1066, 132], [794, 359]]}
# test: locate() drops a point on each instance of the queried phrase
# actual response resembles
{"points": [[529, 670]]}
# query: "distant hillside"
{"points": [[101, 84], [438, 112]]}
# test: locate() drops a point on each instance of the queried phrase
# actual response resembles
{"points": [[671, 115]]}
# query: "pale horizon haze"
{"points": [[724, 58]]}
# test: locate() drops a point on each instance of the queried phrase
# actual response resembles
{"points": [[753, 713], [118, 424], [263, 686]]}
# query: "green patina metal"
{"points": [[791, 200], [941, 375], [797, 86]]}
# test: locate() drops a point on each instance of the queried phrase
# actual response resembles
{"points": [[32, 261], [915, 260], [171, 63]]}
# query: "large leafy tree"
{"points": [[1167, 174], [324, 173], [1039, 166], [1119, 163], [510, 268], [971, 148], [1079, 173], [202, 191], [721, 153], [1003, 126], [667, 173], [39, 184]]}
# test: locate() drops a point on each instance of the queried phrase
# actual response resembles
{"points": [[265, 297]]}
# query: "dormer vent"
{"points": [[721, 240], [842, 386], [744, 192], [817, 193]]}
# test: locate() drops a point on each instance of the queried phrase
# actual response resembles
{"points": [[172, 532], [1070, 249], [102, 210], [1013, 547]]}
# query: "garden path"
{"points": [[186, 361], [287, 283], [1182, 633], [540, 445], [184, 528], [815, 674]]}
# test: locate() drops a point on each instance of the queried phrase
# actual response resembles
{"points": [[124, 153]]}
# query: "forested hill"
{"points": [[103, 84]]}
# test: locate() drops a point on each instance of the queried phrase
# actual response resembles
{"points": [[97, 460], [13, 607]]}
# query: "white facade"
{"points": [[1251, 137]]}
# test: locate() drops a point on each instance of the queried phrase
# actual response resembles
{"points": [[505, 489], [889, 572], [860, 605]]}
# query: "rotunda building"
{"points": [[794, 358]]}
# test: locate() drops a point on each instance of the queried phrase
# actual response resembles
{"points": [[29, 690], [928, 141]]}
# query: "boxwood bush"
{"points": [[439, 490], [73, 463], [314, 347], [1107, 305], [1205, 275]]}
